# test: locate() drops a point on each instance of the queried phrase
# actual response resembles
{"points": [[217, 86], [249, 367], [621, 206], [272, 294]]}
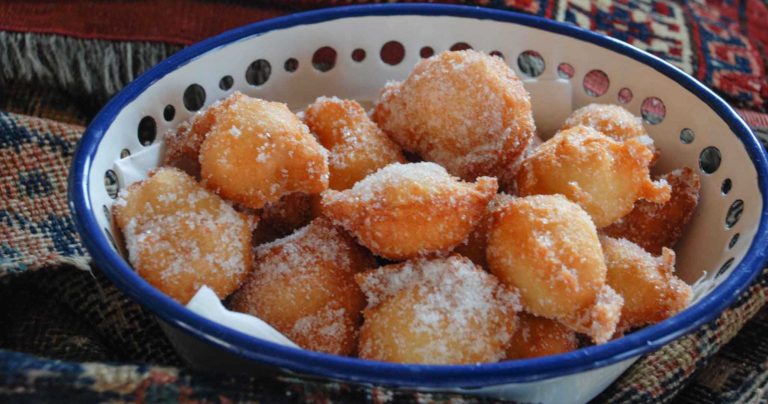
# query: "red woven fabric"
{"points": [[177, 21]]}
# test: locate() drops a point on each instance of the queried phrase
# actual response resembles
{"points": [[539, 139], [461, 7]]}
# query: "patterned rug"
{"points": [[68, 334]]}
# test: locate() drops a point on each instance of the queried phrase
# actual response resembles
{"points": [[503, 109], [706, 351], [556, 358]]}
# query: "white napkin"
{"points": [[206, 304]]}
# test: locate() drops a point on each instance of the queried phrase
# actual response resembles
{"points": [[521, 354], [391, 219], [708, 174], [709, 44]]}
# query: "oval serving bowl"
{"points": [[347, 52]]}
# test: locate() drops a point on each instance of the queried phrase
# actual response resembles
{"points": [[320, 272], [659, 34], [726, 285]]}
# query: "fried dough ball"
{"points": [[357, 147], [408, 210], [438, 311], [547, 247], [464, 110], [648, 284], [259, 151], [539, 336], [303, 286], [182, 146], [654, 226], [602, 175], [611, 120], [180, 236]]}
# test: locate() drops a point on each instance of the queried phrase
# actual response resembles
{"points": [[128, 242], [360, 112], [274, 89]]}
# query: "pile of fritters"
{"points": [[439, 229]]}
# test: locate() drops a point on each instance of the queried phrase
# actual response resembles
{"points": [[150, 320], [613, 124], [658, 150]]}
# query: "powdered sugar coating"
{"points": [[357, 147], [609, 119], [303, 286], [648, 284], [654, 226], [408, 210], [258, 151], [464, 110], [602, 175], [440, 311], [180, 236]]}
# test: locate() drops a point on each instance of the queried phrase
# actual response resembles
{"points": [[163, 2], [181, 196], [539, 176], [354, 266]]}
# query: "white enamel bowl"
{"points": [[722, 250]]}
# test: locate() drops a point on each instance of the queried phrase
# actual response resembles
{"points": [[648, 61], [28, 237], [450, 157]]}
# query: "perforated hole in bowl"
{"points": [[687, 136], [358, 55], [124, 153], [625, 96], [531, 63], [194, 97], [147, 130], [324, 59], [258, 72], [725, 188], [724, 268], [709, 159], [565, 70], [426, 52], [460, 46], [734, 240], [596, 83], [734, 213], [497, 54], [169, 112], [392, 53], [226, 83], [291, 65], [653, 110], [110, 184]]}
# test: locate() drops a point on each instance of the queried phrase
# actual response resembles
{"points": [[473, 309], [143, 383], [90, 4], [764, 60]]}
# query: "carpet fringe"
{"points": [[95, 68]]}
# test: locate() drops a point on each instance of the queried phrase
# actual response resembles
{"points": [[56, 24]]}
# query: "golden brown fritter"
{"points": [[303, 285], [408, 210], [259, 151], [182, 146], [438, 311], [648, 284], [539, 336], [180, 236], [602, 175], [657, 225], [547, 247], [356, 146], [464, 110]]}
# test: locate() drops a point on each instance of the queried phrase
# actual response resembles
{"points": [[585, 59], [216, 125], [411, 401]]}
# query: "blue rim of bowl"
{"points": [[365, 371]]}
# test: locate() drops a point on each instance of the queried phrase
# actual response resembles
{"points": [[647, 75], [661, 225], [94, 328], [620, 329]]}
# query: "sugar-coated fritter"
{"points": [[408, 210], [182, 146], [547, 247], [356, 146], [180, 236], [602, 175], [648, 284], [657, 225], [438, 311], [611, 120], [539, 336], [303, 285], [259, 151], [464, 110]]}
